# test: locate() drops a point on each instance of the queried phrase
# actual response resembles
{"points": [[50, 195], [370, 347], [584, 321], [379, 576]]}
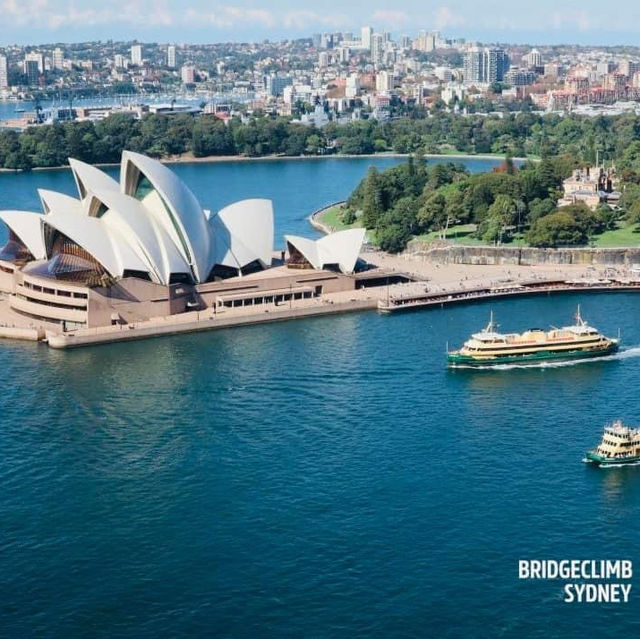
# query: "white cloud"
{"points": [[301, 19], [390, 18], [446, 18], [572, 19]]}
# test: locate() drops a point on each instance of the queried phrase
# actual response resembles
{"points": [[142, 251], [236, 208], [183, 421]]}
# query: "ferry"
{"points": [[620, 445], [534, 346]]}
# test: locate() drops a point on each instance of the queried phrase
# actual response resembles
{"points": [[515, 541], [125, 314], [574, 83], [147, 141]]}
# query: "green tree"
{"points": [[557, 229]]}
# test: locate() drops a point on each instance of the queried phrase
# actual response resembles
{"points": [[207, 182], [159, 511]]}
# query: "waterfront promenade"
{"points": [[434, 285]]}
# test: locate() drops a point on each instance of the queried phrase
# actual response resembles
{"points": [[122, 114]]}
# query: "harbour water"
{"points": [[328, 477]]}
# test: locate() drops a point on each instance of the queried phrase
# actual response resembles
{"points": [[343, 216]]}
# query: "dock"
{"points": [[392, 304]]}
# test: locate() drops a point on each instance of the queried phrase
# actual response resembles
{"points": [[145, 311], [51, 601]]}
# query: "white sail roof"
{"points": [[243, 233], [89, 233], [56, 201], [131, 219], [185, 215], [153, 226], [26, 225], [89, 178], [341, 248]]}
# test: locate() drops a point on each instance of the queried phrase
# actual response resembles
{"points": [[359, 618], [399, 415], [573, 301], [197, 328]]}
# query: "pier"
{"points": [[393, 304]]}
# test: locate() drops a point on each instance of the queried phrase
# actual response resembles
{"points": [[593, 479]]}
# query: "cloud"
{"points": [[56, 15], [228, 17], [446, 18], [571, 19], [390, 18], [41, 13], [302, 19]]}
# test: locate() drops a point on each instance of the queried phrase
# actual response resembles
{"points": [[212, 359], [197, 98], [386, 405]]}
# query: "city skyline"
{"points": [[42, 21]]}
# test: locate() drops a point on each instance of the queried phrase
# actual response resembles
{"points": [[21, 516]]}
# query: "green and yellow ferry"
{"points": [[534, 346], [620, 445]]}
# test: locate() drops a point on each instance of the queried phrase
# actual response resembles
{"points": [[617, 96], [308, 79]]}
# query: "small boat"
{"points": [[534, 346], [620, 445]]}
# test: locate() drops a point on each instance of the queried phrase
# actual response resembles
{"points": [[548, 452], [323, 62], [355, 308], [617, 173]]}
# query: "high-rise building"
{"points": [[602, 68], [136, 54], [171, 56], [326, 41], [384, 81], [496, 64], [377, 48], [32, 72], [274, 84], [365, 37], [343, 54], [119, 61], [188, 74], [36, 57], [4, 72], [628, 67], [485, 65], [426, 41], [353, 85], [58, 58], [533, 58]]}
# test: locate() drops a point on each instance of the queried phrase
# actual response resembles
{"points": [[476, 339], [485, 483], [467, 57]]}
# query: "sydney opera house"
{"points": [[144, 247]]}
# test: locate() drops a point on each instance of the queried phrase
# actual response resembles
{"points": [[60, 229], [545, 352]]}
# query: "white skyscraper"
{"points": [[171, 56], [365, 37], [58, 58], [4, 72], [377, 48], [136, 54], [188, 74]]}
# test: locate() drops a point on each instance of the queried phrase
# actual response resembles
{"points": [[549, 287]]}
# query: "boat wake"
{"points": [[604, 466], [627, 353]]}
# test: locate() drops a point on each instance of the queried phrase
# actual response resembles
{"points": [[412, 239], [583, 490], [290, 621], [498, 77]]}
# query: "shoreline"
{"points": [[195, 322], [213, 159]]}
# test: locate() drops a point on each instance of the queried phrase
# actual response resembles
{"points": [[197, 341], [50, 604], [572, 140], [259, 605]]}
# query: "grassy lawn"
{"points": [[623, 236], [463, 234], [333, 218]]}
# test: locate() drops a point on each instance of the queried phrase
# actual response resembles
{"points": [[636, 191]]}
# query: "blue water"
{"points": [[324, 478]]}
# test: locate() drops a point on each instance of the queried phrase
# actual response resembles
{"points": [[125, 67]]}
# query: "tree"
{"points": [[500, 216], [372, 199], [557, 229], [432, 213], [393, 238]]}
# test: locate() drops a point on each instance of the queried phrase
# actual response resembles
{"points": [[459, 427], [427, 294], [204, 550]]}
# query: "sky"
{"points": [[205, 21]]}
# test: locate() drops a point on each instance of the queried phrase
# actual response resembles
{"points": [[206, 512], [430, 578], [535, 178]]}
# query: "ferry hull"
{"points": [[600, 460], [455, 359]]}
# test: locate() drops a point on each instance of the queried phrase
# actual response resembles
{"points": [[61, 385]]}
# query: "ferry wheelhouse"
{"points": [[490, 347]]}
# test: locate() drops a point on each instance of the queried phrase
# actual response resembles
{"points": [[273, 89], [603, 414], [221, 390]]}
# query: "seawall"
{"points": [[315, 219], [525, 256], [196, 321]]}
